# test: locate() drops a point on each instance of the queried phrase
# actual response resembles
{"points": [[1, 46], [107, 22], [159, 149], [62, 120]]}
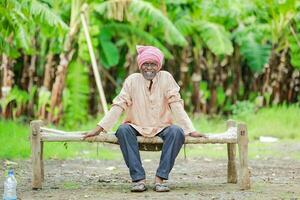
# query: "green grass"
{"points": [[281, 122], [14, 141], [71, 185]]}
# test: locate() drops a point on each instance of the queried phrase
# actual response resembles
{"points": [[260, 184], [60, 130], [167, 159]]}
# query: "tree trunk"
{"points": [[8, 75], [235, 62], [7, 83], [59, 84], [65, 58], [131, 63], [211, 69], [184, 63], [24, 78], [196, 78], [48, 71], [32, 69]]}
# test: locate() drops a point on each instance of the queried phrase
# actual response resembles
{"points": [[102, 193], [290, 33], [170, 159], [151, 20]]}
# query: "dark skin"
{"points": [[149, 71]]}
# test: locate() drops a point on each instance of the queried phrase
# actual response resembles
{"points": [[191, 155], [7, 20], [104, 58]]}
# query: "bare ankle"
{"points": [[158, 179], [142, 181]]}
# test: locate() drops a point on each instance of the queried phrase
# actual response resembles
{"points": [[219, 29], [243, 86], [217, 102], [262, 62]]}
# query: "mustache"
{"points": [[149, 74]]}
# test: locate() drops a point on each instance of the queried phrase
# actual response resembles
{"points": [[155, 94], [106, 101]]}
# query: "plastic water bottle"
{"points": [[10, 187]]}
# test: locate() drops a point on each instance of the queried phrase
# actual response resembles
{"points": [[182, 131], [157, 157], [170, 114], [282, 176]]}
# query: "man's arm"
{"points": [[107, 121], [96, 131], [120, 103], [176, 105], [183, 120]]}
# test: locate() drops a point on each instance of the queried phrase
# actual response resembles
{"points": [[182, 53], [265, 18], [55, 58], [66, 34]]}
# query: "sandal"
{"points": [[160, 187], [138, 187]]}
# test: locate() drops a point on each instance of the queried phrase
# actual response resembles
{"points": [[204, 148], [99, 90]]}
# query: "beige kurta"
{"points": [[149, 111]]}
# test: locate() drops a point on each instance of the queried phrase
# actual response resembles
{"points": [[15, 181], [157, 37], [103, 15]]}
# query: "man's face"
{"points": [[149, 70]]}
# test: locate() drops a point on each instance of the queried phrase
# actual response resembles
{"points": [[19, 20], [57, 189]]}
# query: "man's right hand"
{"points": [[96, 131]]}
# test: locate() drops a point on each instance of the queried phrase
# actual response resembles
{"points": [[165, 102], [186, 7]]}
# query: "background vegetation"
{"points": [[281, 122], [231, 58]]}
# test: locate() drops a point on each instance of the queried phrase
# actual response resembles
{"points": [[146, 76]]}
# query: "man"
{"points": [[150, 99]]}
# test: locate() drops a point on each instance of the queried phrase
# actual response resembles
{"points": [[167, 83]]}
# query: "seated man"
{"points": [[149, 98]]}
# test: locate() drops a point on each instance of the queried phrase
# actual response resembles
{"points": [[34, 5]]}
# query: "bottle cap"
{"points": [[11, 172]]}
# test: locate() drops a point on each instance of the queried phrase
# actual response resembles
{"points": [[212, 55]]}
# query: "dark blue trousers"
{"points": [[173, 138]]}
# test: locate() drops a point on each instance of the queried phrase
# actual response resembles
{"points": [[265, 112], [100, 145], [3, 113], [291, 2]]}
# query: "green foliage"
{"points": [[242, 108], [83, 51], [253, 46], [139, 36], [109, 53], [255, 54], [276, 121], [44, 97], [138, 9], [46, 16], [221, 97], [20, 19], [108, 50], [294, 42], [155, 17], [253, 28], [75, 96], [215, 37], [14, 141], [19, 97], [205, 93]]}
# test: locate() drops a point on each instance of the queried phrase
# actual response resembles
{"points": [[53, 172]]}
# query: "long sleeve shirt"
{"points": [[149, 109]]}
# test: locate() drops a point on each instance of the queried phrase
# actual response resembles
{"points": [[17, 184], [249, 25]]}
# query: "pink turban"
{"points": [[149, 54]]}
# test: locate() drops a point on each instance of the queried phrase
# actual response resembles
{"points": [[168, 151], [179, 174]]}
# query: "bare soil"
{"points": [[191, 178]]}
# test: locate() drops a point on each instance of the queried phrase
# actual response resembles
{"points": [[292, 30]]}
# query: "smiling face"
{"points": [[149, 70]]}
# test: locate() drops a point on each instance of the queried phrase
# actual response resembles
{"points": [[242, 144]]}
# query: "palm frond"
{"points": [[294, 44], [252, 41], [215, 37], [140, 36], [185, 25], [255, 54], [156, 17], [42, 10], [137, 9], [22, 36]]}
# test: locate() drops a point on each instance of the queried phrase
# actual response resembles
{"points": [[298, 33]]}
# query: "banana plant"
{"points": [[20, 21], [154, 28]]}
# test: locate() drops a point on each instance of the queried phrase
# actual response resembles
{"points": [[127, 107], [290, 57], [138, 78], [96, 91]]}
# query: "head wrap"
{"points": [[149, 54]]}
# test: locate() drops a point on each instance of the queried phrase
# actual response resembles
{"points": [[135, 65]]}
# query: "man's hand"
{"points": [[197, 134], [96, 131]]}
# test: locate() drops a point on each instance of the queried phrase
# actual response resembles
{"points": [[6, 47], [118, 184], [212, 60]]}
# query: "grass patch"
{"points": [[71, 185], [14, 142], [280, 121]]}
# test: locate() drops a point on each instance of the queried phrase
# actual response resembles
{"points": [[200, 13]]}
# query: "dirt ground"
{"points": [[191, 178]]}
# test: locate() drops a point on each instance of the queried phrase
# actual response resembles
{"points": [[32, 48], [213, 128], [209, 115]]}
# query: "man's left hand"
{"points": [[197, 134]]}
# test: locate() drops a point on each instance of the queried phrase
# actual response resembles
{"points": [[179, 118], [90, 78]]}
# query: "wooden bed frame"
{"points": [[235, 134]]}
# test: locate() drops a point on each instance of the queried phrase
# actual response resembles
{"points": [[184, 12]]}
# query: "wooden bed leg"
{"points": [[244, 173], [36, 154], [231, 152], [42, 160]]}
